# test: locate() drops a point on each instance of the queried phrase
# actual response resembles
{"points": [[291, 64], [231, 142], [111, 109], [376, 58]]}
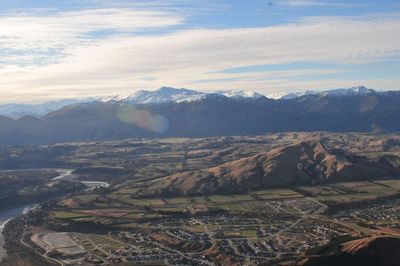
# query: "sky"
{"points": [[53, 49]]}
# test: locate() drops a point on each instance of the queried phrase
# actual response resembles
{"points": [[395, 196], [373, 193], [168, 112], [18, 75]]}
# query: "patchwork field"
{"points": [[156, 212], [353, 191]]}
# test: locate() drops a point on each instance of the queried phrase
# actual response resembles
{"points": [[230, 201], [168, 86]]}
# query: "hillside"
{"points": [[208, 115], [299, 163], [363, 252]]}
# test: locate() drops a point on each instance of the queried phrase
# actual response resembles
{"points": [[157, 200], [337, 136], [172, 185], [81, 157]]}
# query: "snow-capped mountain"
{"points": [[164, 94], [168, 94], [112, 98], [359, 90], [293, 95], [214, 115], [17, 110], [238, 94]]}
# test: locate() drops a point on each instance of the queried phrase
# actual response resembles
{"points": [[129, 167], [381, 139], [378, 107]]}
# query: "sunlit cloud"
{"points": [[105, 51], [37, 38]]}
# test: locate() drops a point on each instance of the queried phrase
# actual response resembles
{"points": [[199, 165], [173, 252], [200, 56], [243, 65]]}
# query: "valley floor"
{"points": [[262, 227], [119, 223]]}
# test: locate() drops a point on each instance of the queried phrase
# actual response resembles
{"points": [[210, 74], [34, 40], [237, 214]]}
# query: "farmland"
{"points": [[266, 225], [135, 221]]}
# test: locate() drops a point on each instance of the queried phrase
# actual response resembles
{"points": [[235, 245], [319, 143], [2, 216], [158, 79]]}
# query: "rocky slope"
{"points": [[300, 163], [370, 251]]}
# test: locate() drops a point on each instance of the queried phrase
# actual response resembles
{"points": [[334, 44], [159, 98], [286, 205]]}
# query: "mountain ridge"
{"points": [[173, 95], [300, 163], [169, 94], [212, 115]]}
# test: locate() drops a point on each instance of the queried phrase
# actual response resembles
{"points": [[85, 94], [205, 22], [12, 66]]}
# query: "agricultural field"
{"points": [[353, 191], [124, 224], [264, 225]]}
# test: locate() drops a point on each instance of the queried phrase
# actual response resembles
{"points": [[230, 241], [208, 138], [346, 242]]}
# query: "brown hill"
{"points": [[370, 251], [299, 163]]}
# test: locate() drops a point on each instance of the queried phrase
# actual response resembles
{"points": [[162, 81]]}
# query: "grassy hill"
{"points": [[300, 163]]}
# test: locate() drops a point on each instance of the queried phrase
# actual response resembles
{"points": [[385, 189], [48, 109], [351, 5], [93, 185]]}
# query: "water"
{"points": [[95, 184], [63, 174], [67, 175], [8, 215]]}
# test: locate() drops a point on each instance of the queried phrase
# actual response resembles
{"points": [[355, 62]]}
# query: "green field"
{"points": [[69, 215], [272, 194], [261, 201], [139, 202], [395, 184], [220, 199], [353, 191], [181, 200], [197, 200]]}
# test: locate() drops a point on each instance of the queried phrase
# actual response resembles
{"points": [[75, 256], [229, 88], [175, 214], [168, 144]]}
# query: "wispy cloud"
{"points": [[37, 36], [103, 51], [318, 3], [304, 3]]}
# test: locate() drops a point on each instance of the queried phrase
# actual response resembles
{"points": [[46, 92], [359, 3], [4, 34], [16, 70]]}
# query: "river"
{"points": [[67, 175], [8, 215]]}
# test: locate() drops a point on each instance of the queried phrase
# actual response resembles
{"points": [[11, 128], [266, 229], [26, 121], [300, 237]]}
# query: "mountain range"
{"points": [[163, 95], [17, 110], [173, 95], [170, 112], [168, 94]]}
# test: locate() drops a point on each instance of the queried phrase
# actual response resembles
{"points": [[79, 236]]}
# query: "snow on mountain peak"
{"points": [[359, 90], [164, 94], [240, 94], [293, 95], [168, 94], [17, 110], [113, 98]]}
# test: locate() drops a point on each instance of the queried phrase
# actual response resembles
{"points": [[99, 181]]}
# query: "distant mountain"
{"points": [[170, 112], [167, 94], [162, 95], [360, 90], [300, 163], [240, 94], [15, 110], [293, 95]]}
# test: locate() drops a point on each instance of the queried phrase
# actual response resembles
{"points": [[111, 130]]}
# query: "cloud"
{"points": [[34, 38], [124, 62], [304, 3], [316, 3]]}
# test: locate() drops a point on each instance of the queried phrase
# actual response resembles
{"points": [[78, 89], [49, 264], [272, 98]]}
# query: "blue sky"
{"points": [[62, 49]]}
